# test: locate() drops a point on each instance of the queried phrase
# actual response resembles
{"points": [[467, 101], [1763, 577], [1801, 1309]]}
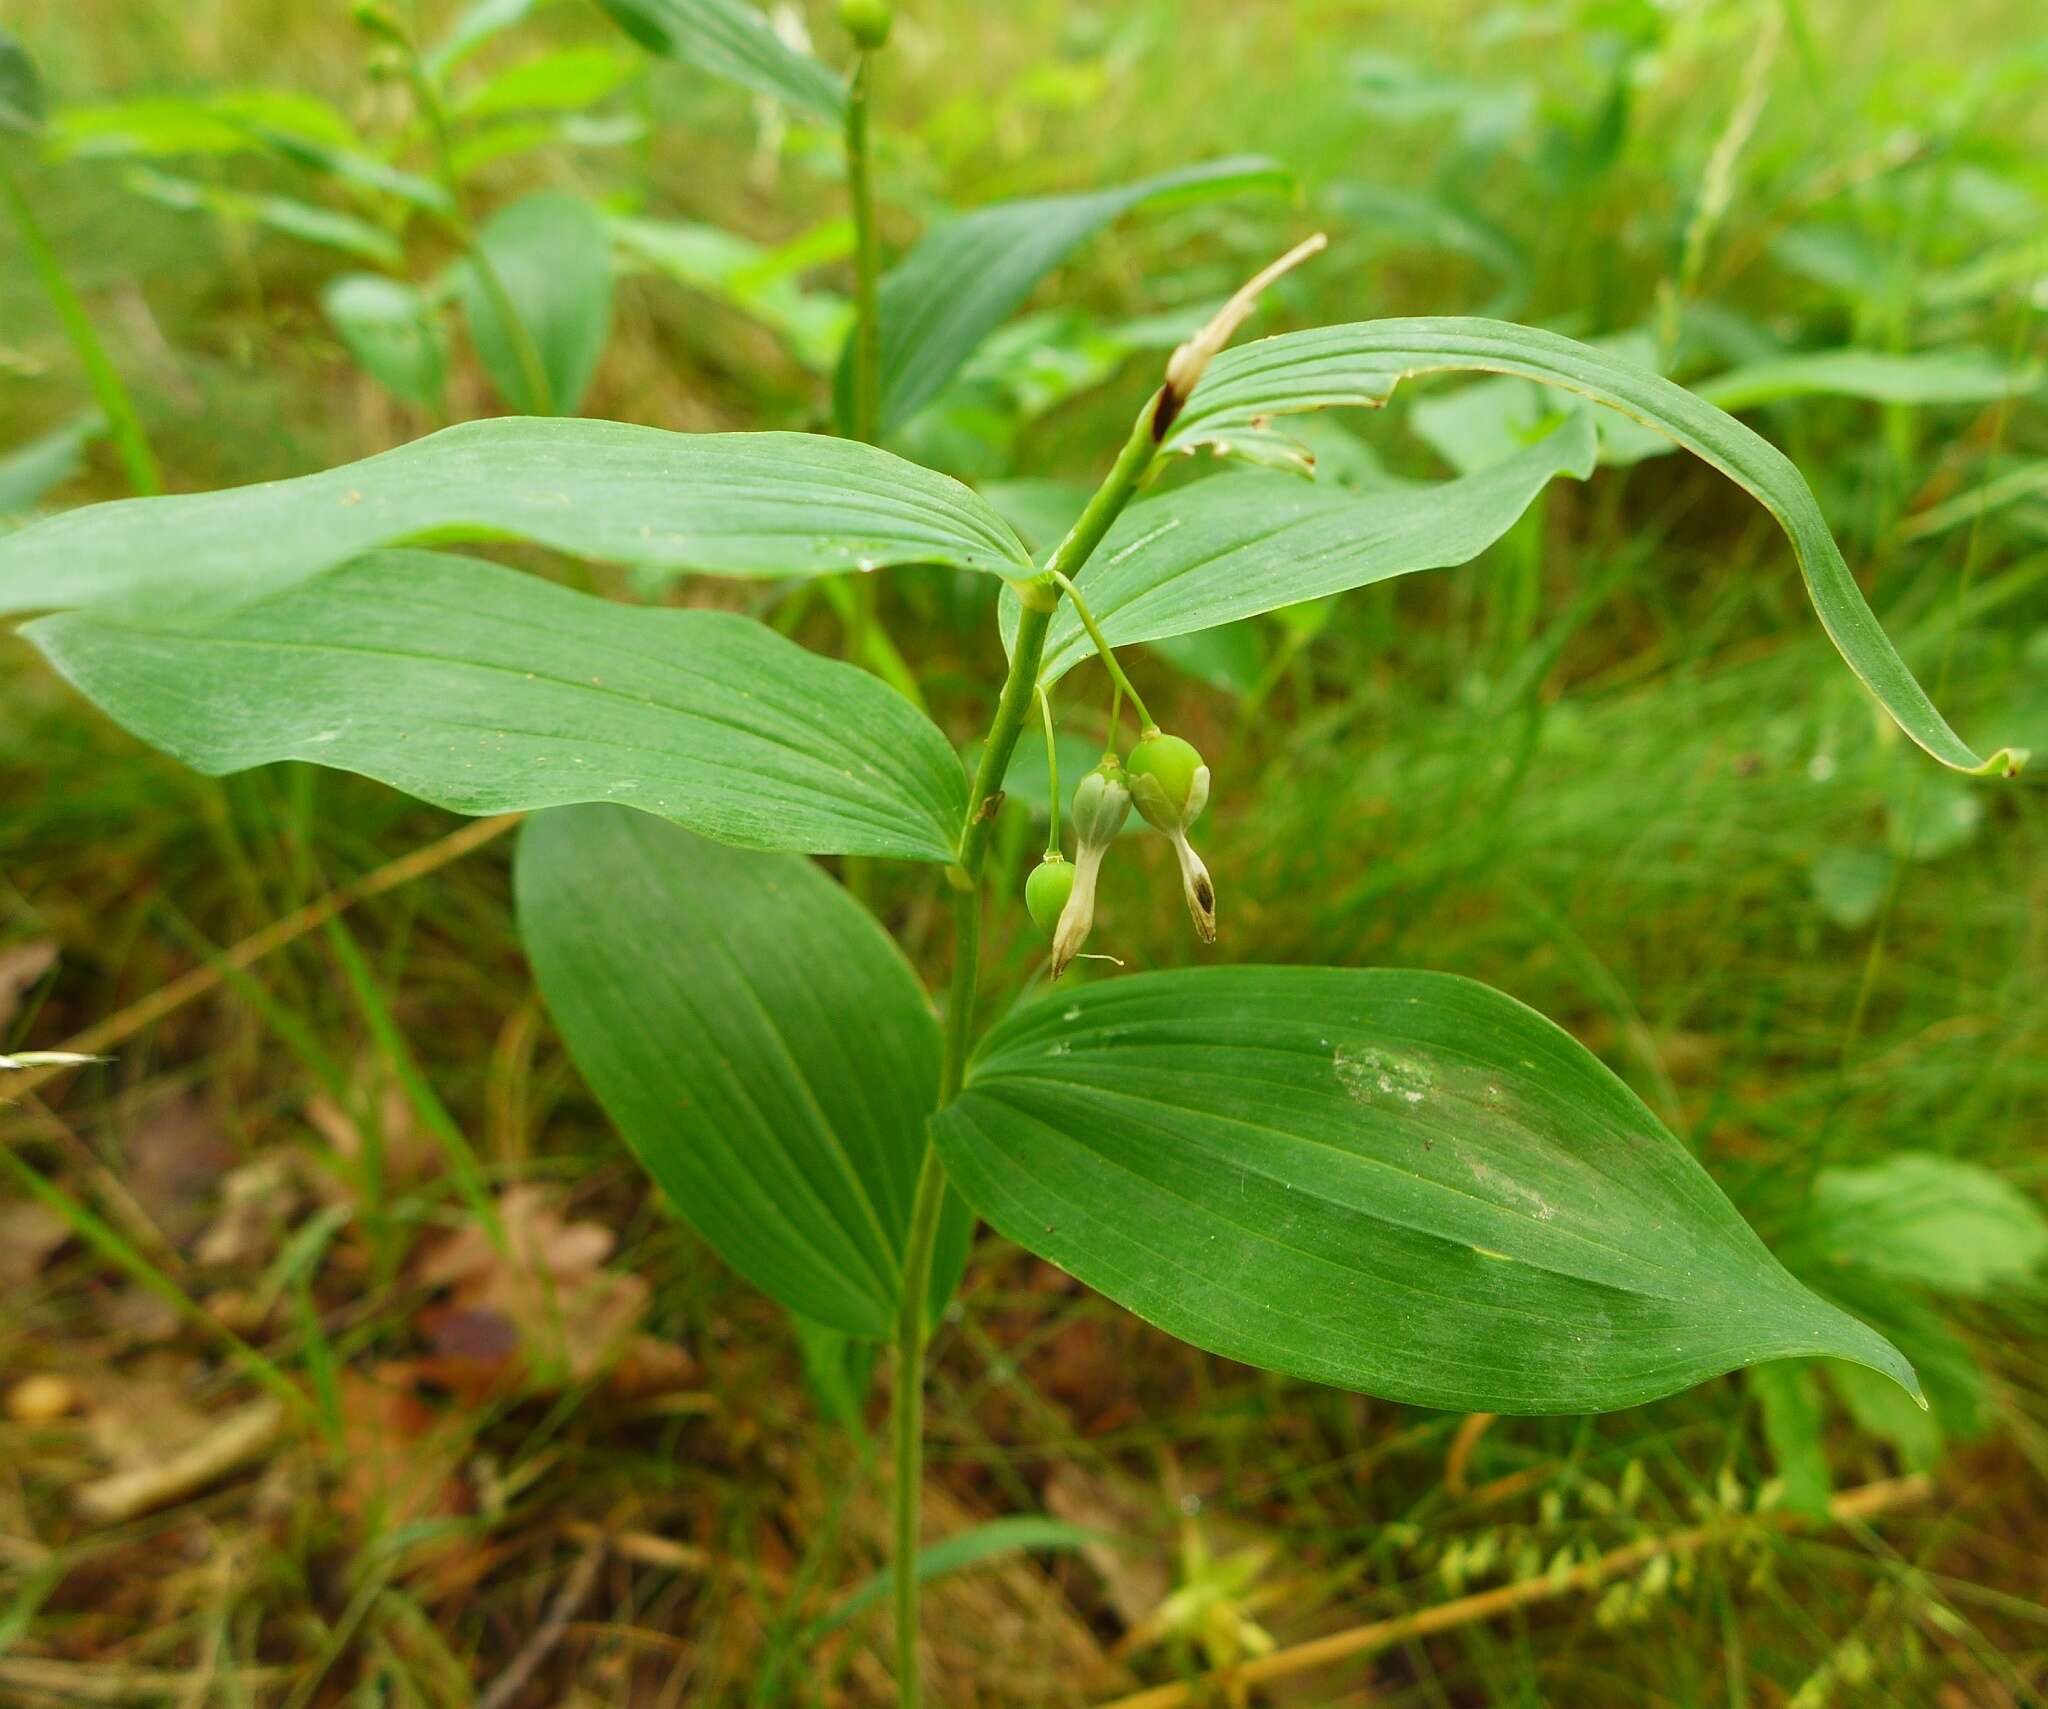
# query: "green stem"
{"points": [[866, 417], [1039, 597], [123, 424], [1105, 652], [865, 637], [532, 370], [1133, 463], [1052, 773]]}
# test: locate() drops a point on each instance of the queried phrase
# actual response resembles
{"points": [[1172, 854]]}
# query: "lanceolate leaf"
{"points": [[563, 79], [1403, 1183], [305, 221], [971, 274], [231, 121], [1788, 1400], [29, 471], [1949, 1225], [1362, 363], [22, 103], [1242, 544], [474, 25], [553, 256], [730, 39], [746, 504], [1911, 377], [709, 259], [485, 690], [759, 1041], [1481, 423], [990, 1540], [391, 329]]}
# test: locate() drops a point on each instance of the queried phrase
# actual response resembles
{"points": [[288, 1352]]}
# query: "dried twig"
{"points": [[647, 1549], [238, 1438], [1474, 1426], [1863, 1503], [568, 1603], [109, 1682]]}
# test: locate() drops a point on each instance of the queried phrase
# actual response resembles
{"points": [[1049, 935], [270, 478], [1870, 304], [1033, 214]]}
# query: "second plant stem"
{"points": [[863, 413], [123, 424], [532, 369], [1039, 598]]}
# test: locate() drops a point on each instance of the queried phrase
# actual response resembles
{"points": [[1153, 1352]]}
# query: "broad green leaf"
{"points": [[730, 39], [1788, 1399], [839, 1367], [494, 142], [486, 690], [709, 259], [968, 276], [1487, 422], [1362, 363], [1849, 884], [553, 257], [29, 471], [1888, 1415], [1920, 377], [1930, 818], [1952, 1226], [302, 220], [354, 166], [1010, 1535], [23, 105], [1246, 543], [560, 81], [1482, 423], [1039, 508], [392, 331], [1231, 659], [1403, 1183], [741, 504], [228, 121], [758, 1040], [474, 25], [1958, 1393]]}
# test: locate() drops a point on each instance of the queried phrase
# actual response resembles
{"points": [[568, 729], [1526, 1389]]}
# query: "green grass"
{"points": [[1601, 769]]}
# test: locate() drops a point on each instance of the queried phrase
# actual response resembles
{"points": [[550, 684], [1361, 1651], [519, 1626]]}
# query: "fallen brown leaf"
{"points": [[542, 1310]]}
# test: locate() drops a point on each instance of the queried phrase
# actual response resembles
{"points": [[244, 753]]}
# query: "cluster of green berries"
{"points": [[1164, 777]]}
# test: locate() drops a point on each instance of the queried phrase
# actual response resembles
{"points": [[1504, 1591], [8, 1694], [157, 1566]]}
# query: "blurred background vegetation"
{"points": [[1612, 767]]}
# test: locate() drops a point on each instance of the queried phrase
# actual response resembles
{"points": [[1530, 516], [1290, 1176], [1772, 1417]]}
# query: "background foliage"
{"points": [[1610, 767]]}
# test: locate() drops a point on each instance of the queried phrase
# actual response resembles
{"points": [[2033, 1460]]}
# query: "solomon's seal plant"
{"points": [[1400, 1182]]}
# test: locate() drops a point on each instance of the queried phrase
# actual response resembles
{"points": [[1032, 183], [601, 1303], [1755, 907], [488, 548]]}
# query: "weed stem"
{"points": [[116, 405], [532, 370]]}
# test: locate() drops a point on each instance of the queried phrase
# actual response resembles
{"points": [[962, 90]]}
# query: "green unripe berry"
{"points": [[1169, 782], [867, 21], [1046, 891]]}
